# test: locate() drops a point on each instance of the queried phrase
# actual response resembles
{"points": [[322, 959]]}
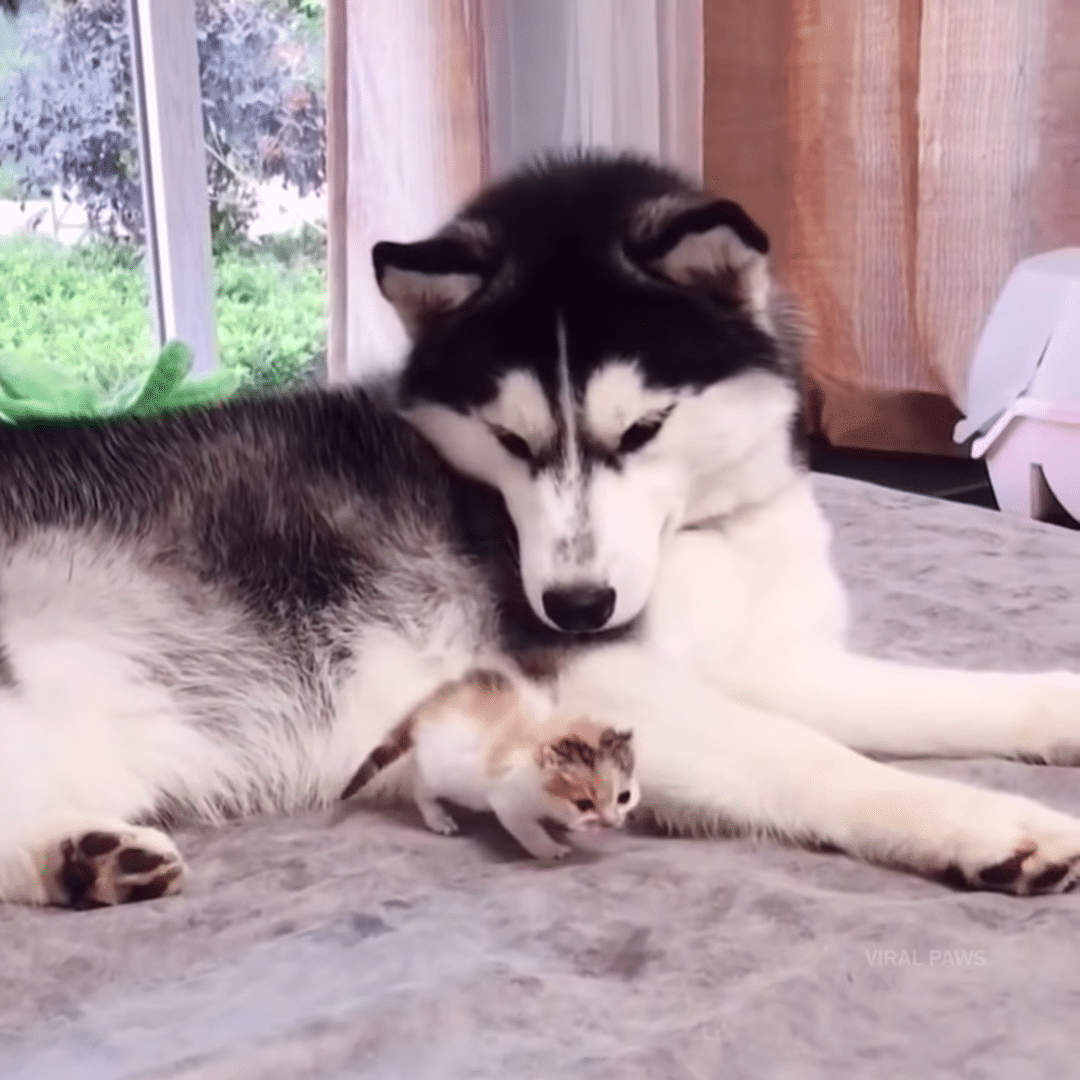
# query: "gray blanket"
{"points": [[362, 946]]}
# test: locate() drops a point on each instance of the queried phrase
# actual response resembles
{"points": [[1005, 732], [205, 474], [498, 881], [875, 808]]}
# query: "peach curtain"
{"points": [[904, 155]]}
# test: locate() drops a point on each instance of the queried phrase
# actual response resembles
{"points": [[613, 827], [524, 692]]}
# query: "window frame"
{"points": [[172, 166]]}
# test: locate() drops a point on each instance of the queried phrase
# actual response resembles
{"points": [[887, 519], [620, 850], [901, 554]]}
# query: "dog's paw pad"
{"points": [[1028, 871], [1007, 873], [98, 869]]}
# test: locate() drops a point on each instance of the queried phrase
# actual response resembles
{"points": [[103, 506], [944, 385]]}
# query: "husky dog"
{"points": [[588, 468], [480, 742]]}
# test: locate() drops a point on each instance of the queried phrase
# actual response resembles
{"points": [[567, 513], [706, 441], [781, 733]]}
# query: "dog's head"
{"points": [[603, 343]]}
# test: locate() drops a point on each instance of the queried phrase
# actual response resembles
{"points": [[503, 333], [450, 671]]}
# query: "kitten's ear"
{"points": [[715, 247], [546, 757], [431, 277], [618, 746], [553, 755]]}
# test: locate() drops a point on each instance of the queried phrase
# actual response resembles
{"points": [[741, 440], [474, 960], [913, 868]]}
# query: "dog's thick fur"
{"points": [[222, 613]]}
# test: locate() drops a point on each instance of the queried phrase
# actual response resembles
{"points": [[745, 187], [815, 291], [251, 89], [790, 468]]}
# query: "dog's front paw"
{"points": [[1016, 846]]}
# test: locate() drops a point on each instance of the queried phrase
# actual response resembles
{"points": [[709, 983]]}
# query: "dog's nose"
{"points": [[579, 609]]}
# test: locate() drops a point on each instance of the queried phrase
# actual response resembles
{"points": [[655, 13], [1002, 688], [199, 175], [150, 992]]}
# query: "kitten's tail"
{"points": [[397, 743], [480, 681]]}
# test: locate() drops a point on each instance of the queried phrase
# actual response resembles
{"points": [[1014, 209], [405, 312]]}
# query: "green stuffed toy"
{"points": [[39, 393]]}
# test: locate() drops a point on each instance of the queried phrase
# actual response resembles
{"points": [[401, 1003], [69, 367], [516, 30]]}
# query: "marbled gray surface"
{"points": [[366, 947]]}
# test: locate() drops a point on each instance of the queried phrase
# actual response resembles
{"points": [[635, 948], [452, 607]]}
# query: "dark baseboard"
{"points": [[962, 480]]}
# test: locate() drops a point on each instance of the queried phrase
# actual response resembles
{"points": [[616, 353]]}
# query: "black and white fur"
{"points": [[219, 613]]}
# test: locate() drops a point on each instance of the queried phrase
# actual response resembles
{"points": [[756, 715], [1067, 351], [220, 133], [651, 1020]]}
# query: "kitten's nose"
{"points": [[579, 609]]}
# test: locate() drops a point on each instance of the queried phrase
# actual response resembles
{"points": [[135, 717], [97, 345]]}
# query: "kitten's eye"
{"points": [[585, 805], [637, 435], [515, 445], [624, 796]]}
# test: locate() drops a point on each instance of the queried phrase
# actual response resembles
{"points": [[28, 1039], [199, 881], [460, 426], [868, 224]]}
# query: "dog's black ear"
{"points": [[429, 278], [714, 246]]}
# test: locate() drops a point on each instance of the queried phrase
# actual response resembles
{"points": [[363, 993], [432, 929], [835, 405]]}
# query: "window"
{"points": [[71, 248], [113, 159]]}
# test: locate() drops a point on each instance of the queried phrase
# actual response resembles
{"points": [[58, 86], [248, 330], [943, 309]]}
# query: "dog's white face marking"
{"points": [[592, 515], [615, 400], [521, 408]]}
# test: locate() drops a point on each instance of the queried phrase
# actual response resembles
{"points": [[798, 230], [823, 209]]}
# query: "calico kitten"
{"points": [[476, 743]]}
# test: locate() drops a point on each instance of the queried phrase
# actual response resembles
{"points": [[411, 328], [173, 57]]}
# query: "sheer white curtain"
{"points": [[635, 78], [626, 74], [408, 153], [442, 94]]}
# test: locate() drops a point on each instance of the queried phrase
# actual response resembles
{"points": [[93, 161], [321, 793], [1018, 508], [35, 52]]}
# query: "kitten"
{"points": [[476, 743]]}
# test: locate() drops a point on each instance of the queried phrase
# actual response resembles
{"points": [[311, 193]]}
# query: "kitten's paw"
{"points": [[113, 866], [438, 820], [552, 851]]}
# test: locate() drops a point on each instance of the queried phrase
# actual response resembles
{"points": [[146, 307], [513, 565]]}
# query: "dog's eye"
{"points": [[624, 796], [585, 805], [637, 435], [515, 445]]}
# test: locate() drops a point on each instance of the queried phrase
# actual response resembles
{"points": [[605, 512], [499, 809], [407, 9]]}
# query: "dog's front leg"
{"points": [[881, 707], [706, 762]]}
